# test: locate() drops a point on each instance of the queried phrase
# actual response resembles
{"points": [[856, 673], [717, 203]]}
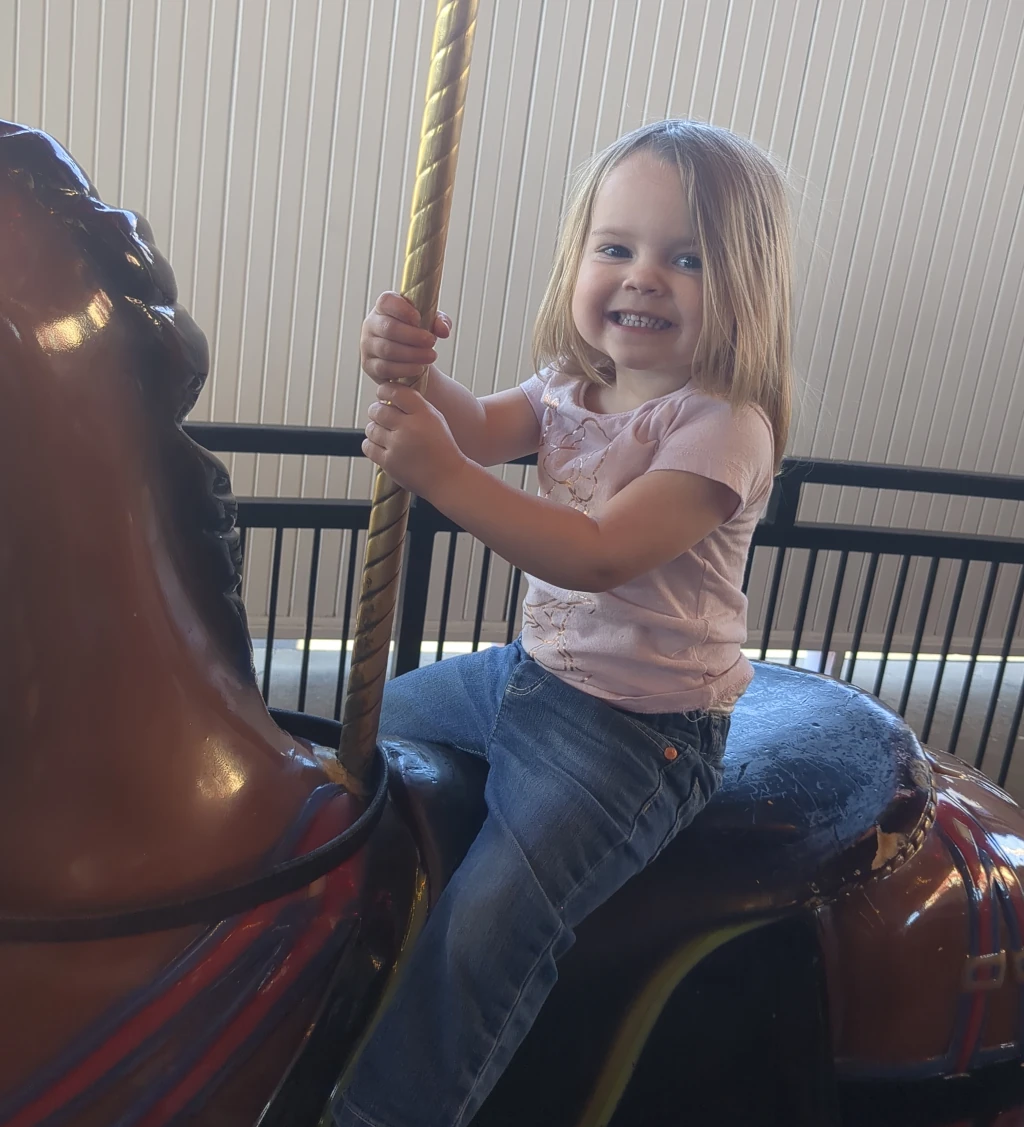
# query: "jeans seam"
{"points": [[608, 853], [500, 710], [361, 1116], [641, 729], [517, 692], [496, 1040]]}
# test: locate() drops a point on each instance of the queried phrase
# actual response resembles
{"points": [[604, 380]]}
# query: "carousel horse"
{"points": [[198, 922], [181, 892]]}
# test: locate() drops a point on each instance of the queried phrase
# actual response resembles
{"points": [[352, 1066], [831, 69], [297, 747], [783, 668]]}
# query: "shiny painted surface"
{"points": [[117, 540], [138, 762], [926, 967]]}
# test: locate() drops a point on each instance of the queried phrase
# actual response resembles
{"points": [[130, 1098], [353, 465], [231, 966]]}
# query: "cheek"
{"points": [[692, 304], [588, 299], [582, 312]]}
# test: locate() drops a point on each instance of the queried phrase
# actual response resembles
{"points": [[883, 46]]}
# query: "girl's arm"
{"points": [[654, 519], [490, 430]]}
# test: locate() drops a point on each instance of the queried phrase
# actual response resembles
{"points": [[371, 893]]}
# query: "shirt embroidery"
{"points": [[578, 486], [549, 619]]}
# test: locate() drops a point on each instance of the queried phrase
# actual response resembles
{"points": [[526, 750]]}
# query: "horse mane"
{"points": [[169, 362]]}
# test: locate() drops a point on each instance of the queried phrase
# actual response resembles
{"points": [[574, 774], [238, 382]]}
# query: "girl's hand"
{"points": [[410, 440], [392, 346]]}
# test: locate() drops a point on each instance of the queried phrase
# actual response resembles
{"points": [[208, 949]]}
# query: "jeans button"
{"points": [[671, 753]]}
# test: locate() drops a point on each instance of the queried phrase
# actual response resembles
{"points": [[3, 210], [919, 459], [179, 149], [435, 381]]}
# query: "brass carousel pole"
{"points": [[421, 283]]}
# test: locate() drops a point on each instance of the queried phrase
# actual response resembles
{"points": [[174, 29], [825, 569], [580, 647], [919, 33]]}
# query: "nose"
{"points": [[643, 277]]}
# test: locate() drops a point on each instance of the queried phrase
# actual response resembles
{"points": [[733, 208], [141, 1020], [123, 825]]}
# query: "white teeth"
{"points": [[636, 321]]}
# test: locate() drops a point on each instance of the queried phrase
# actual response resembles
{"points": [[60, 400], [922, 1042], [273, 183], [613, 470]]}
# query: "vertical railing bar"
{"points": [[346, 618], [862, 614], [773, 595], [890, 626], [1011, 739], [1004, 655], [805, 598], [947, 641], [922, 622], [243, 536], [747, 569], [833, 610], [314, 571], [275, 582], [481, 597], [513, 605], [414, 592], [972, 664], [509, 577], [446, 594]]}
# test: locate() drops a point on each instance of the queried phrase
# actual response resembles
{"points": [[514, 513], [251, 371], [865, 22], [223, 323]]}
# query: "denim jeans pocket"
{"points": [[692, 746], [527, 677]]}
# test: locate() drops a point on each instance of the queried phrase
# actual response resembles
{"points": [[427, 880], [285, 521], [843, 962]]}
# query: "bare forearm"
{"points": [[462, 411], [560, 545]]}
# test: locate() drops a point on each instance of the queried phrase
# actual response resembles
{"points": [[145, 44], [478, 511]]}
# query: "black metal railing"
{"points": [[925, 618]]}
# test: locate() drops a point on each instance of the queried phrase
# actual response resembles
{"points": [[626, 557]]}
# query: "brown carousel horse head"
{"points": [[179, 884], [137, 759]]}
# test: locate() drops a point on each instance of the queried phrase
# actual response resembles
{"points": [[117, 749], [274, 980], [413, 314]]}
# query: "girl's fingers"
{"points": [[375, 433], [387, 348], [397, 395], [387, 371], [384, 414], [394, 305], [382, 327]]}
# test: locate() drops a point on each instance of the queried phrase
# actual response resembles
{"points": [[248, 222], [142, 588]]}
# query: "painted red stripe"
{"points": [[1007, 873], [336, 898], [153, 1017], [956, 824]]}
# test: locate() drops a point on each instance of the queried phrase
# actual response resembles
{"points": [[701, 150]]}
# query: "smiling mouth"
{"points": [[638, 321]]}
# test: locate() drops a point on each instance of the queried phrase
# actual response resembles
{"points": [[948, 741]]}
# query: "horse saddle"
{"points": [[824, 786]]}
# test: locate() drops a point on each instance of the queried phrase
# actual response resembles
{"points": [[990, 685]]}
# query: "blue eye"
{"points": [[689, 262], [613, 251]]}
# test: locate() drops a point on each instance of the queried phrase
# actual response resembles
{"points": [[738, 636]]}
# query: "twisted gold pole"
{"points": [[421, 283]]}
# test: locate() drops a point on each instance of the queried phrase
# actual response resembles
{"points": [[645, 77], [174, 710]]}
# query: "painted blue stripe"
{"points": [[299, 989], [102, 1028], [995, 944], [243, 979], [284, 850], [263, 949], [90, 1038], [1001, 864], [963, 1008]]}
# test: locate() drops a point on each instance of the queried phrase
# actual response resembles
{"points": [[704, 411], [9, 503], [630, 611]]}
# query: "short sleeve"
{"points": [[534, 390], [710, 438]]}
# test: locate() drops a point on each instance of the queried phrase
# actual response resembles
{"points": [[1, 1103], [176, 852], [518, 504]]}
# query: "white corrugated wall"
{"points": [[271, 145]]}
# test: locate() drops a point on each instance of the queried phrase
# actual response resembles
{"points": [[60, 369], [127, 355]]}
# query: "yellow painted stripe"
{"points": [[640, 1019]]}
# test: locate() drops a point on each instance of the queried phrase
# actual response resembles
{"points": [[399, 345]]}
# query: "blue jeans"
{"points": [[580, 797]]}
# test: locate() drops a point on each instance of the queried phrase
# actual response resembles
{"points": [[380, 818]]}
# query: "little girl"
{"points": [[659, 414]]}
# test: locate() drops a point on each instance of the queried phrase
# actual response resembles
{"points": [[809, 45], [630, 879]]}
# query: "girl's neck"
{"points": [[633, 389]]}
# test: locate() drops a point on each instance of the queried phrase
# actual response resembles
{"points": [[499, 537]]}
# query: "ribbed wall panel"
{"points": [[271, 145]]}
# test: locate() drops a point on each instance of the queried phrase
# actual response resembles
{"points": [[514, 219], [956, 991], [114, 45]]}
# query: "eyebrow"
{"points": [[612, 233]]}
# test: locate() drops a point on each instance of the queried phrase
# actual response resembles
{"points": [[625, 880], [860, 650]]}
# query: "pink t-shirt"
{"points": [[668, 641]]}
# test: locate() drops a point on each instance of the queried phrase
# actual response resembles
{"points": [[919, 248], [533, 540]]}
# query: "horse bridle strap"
{"points": [[281, 880]]}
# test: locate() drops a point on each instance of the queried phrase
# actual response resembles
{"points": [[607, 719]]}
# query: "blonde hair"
{"points": [[737, 203]]}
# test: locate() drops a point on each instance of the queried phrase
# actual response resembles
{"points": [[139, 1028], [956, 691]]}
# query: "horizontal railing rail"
{"points": [[834, 596]]}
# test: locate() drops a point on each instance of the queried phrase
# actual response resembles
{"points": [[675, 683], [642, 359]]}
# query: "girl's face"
{"points": [[638, 296]]}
